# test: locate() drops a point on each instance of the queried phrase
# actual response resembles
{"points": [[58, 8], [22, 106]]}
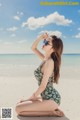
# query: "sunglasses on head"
{"points": [[46, 42]]}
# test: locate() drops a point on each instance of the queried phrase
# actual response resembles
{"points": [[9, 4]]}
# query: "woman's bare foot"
{"points": [[58, 113]]}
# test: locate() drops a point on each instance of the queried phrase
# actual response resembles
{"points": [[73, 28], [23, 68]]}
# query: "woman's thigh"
{"points": [[45, 105]]}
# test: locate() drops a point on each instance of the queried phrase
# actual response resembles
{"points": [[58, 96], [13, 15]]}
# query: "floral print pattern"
{"points": [[50, 92]]}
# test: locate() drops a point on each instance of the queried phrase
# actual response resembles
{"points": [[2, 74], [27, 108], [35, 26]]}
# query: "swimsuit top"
{"points": [[39, 75]]}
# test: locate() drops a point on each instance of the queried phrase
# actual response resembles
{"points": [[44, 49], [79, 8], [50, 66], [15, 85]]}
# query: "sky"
{"points": [[21, 21]]}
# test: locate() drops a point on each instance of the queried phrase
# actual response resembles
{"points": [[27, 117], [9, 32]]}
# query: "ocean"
{"points": [[14, 65]]}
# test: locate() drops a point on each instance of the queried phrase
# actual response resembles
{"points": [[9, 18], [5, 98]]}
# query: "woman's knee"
{"points": [[20, 106], [18, 109]]}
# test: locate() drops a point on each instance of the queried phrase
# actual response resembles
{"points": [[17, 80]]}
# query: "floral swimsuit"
{"points": [[50, 92]]}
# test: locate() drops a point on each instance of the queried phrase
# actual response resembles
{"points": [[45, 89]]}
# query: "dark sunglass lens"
{"points": [[46, 43]]}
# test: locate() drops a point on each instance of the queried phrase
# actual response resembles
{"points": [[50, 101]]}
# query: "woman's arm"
{"points": [[35, 50], [35, 44], [48, 70]]}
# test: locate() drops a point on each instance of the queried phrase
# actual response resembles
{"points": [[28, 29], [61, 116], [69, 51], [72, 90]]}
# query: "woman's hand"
{"points": [[22, 101], [43, 36], [33, 97]]}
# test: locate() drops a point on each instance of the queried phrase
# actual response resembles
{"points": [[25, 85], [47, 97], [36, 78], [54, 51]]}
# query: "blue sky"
{"points": [[21, 21]]}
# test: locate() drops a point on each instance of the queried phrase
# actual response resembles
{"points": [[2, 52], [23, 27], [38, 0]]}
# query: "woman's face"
{"points": [[47, 47]]}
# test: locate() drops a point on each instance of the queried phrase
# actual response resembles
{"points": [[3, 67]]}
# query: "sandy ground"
{"points": [[13, 89]]}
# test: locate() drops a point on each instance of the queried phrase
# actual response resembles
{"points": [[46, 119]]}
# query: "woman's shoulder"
{"points": [[49, 62]]}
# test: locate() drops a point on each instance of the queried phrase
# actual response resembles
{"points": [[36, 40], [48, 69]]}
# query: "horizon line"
{"points": [[32, 53]]}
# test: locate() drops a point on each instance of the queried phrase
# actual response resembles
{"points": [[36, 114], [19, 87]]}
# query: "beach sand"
{"points": [[13, 89]]}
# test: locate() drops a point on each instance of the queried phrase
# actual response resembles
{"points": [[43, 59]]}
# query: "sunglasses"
{"points": [[45, 42]]}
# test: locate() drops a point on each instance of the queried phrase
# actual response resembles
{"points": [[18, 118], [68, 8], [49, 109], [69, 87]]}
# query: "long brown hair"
{"points": [[56, 56]]}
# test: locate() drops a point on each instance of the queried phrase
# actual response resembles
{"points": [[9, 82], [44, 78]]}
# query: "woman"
{"points": [[46, 74]]}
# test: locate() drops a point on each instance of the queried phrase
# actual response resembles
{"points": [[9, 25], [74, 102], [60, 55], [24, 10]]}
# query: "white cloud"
{"points": [[54, 18], [77, 36], [12, 29], [18, 16], [56, 32], [20, 13]]}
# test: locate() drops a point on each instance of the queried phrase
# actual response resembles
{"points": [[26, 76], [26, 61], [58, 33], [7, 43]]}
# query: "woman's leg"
{"points": [[36, 113], [42, 113], [45, 107], [33, 113]]}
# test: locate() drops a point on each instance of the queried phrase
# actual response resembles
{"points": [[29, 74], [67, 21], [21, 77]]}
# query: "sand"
{"points": [[13, 89]]}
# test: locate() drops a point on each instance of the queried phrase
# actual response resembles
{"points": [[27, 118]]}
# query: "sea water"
{"points": [[23, 65]]}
